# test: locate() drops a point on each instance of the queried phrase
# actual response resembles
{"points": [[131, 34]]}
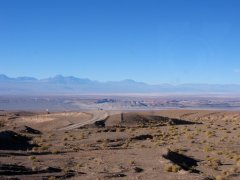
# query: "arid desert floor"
{"points": [[167, 144]]}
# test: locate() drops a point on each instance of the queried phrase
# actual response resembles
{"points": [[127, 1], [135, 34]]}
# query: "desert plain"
{"points": [[99, 144]]}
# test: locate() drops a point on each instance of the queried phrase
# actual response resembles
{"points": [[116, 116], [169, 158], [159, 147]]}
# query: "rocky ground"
{"points": [[170, 144]]}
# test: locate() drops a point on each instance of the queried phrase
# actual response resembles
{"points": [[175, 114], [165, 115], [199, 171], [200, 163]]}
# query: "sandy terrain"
{"points": [[54, 121], [169, 144]]}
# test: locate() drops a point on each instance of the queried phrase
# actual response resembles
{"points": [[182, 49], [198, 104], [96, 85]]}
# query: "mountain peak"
{"points": [[67, 79], [4, 77], [129, 80]]}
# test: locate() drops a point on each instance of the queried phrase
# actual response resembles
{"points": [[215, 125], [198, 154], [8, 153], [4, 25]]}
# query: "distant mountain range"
{"points": [[60, 85]]}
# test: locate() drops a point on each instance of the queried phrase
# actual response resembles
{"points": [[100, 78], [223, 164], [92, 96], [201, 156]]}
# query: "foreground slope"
{"points": [[171, 144]]}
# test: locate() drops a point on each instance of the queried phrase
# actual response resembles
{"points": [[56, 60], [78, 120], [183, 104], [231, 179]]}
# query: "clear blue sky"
{"points": [[154, 41]]}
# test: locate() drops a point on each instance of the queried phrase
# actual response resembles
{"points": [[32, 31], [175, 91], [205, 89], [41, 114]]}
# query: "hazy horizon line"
{"points": [[121, 80]]}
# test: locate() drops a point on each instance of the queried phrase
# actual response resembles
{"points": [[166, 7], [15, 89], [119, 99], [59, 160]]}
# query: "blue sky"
{"points": [[154, 41]]}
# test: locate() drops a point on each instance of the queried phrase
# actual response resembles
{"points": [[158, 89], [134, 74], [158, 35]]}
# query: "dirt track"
{"points": [[96, 116]]}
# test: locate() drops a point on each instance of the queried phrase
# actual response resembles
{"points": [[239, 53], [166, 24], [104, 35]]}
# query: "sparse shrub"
{"points": [[132, 162], [190, 136], [220, 177], [143, 146], [34, 168], [238, 163], [35, 149], [225, 173], [44, 148], [214, 162], [82, 136], [210, 134], [55, 151], [51, 178], [43, 140], [105, 145], [33, 159], [126, 145], [172, 168], [2, 124], [67, 170], [207, 149], [78, 165], [234, 170]]}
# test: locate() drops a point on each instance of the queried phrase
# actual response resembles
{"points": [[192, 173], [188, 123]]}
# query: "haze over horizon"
{"points": [[155, 42], [63, 77]]}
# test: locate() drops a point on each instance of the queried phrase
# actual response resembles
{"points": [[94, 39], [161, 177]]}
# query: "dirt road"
{"points": [[96, 116]]}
